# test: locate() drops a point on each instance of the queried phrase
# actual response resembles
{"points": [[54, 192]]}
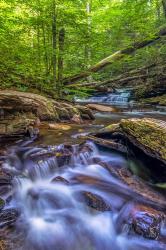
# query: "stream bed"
{"points": [[52, 192]]}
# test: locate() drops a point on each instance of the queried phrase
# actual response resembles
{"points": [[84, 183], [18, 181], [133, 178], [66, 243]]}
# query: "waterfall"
{"points": [[119, 97]]}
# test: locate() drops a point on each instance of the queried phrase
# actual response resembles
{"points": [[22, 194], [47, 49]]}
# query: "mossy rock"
{"points": [[147, 134], [158, 100]]}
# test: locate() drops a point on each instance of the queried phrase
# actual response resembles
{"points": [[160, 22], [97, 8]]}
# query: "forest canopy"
{"points": [[44, 41]]}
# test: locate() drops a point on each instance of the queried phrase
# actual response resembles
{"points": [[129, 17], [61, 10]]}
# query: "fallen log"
{"points": [[127, 77], [115, 57], [142, 70]]}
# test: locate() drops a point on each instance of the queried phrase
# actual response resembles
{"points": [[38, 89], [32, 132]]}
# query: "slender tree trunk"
{"points": [[54, 43], [60, 56], [38, 48], [164, 7], [158, 9], [45, 49], [88, 52]]}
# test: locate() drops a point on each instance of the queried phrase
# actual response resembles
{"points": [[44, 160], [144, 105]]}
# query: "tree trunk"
{"points": [[54, 43], [158, 9], [114, 57], [60, 58], [89, 23], [45, 49], [164, 7]]}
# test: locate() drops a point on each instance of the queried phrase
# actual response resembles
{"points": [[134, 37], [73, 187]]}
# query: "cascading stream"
{"points": [[119, 97], [54, 214]]}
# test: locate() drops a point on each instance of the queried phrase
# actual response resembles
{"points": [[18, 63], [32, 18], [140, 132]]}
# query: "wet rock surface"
{"points": [[96, 202], [8, 217], [146, 221], [60, 179], [136, 185]]}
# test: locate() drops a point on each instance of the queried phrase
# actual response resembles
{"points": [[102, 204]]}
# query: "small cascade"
{"points": [[119, 97], [54, 214]]}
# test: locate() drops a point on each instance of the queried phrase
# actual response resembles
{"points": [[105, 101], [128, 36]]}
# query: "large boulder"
{"points": [[27, 102], [19, 112], [147, 134]]}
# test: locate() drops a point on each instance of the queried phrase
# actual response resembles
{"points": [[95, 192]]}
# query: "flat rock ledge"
{"points": [[18, 110]]}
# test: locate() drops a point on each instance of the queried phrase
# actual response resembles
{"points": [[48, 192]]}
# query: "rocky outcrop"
{"points": [[147, 134], [17, 101], [19, 112]]}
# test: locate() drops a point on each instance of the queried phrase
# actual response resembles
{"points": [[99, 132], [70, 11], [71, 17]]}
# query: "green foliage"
{"points": [[26, 31]]}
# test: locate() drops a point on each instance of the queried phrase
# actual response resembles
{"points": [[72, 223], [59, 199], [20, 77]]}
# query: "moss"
{"points": [[160, 100], [111, 128]]}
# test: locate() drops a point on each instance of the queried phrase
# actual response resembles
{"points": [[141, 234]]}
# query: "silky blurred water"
{"points": [[54, 215]]}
